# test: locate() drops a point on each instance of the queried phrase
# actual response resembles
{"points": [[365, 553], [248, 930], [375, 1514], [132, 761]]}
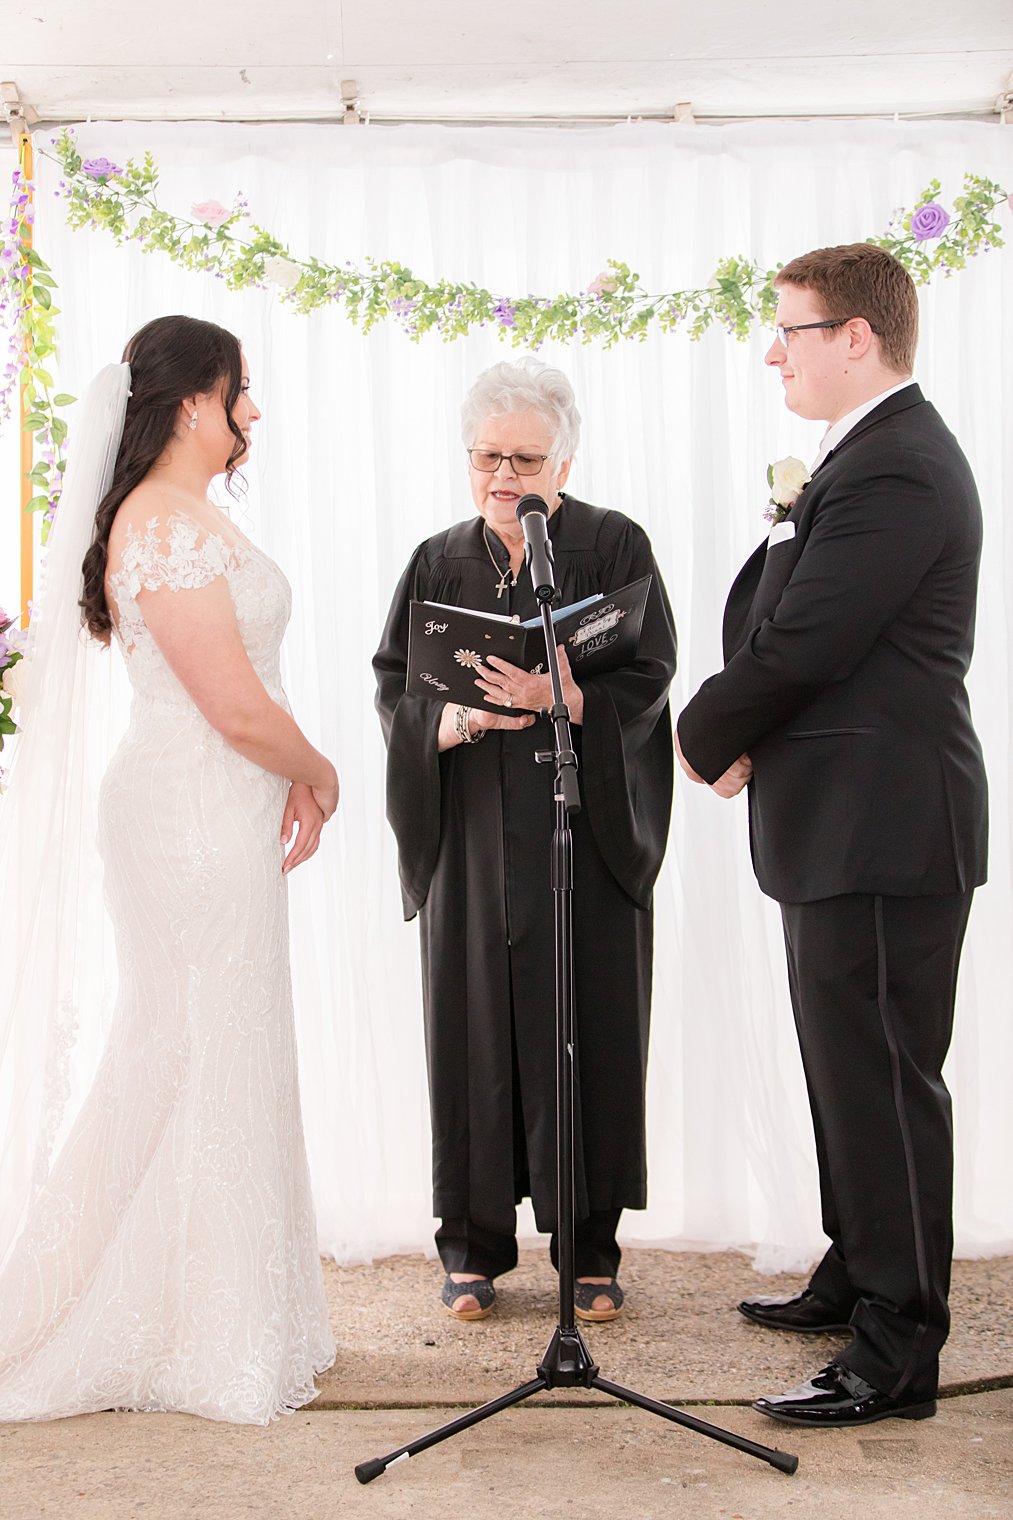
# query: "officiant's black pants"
{"points": [[873, 982], [465, 1246]]}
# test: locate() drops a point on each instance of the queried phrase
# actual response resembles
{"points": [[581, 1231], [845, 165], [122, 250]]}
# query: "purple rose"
{"points": [[929, 221], [101, 168]]}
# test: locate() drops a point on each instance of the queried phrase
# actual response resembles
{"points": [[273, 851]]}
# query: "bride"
{"points": [[163, 1254]]}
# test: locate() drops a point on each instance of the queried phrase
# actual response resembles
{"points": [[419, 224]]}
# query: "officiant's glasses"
{"points": [[522, 464]]}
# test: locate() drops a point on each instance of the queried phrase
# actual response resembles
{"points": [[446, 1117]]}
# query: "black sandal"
{"points": [[481, 1289], [584, 1295]]}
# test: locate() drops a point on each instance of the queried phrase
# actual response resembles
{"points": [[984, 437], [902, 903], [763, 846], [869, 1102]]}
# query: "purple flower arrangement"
{"points": [[929, 221], [505, 313], [11, 642], [101, 169]]}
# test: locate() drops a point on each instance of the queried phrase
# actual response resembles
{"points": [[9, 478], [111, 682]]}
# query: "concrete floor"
{"points": [[680, 1337], [530, 1462], [415, 1368]]}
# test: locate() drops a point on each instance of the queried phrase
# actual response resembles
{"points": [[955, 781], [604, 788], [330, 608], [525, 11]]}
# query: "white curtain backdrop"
{"points": [[359, 458]]}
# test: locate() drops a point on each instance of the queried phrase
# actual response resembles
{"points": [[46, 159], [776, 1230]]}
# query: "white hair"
{"points": [[526, 385]]}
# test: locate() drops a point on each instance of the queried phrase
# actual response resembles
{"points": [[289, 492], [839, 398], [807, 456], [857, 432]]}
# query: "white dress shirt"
{"points": [[840, 430]]}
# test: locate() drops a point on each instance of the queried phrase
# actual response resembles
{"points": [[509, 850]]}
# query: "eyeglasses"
{"points": [[521, 464], [782, 334]]}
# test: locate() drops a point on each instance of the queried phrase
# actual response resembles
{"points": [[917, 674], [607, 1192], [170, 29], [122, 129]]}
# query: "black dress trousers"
{"points": [[873, 983]]}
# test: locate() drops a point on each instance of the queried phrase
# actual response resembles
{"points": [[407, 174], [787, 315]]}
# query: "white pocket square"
{"points": [[779, 533]]}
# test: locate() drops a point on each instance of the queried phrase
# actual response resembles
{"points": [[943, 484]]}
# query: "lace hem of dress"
{"points": [[233, 1406]]}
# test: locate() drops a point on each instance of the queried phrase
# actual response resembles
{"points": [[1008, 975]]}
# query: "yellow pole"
{"points": [[27, 439]]}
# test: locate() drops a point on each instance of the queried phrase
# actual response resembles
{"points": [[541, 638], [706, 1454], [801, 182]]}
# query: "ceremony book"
{"points": [[447, 645]]}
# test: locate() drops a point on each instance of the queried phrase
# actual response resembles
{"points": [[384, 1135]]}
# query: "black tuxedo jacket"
{"points": [[846, 646]]}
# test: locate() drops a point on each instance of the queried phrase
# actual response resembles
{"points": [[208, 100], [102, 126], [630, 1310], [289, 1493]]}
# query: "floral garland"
{"points": [[28, 314], [225, 242]]}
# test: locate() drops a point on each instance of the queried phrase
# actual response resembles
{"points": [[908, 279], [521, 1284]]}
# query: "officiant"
{"points": [[473, 816]]}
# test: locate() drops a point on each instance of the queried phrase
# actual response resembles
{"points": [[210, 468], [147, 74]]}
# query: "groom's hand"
{"points": [[303, 815], [735, 778]]}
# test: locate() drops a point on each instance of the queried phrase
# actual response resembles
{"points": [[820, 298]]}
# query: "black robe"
{"points": [[473, 827]]}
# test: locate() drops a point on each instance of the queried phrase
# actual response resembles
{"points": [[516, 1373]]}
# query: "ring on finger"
{"points": [[508, 701]]}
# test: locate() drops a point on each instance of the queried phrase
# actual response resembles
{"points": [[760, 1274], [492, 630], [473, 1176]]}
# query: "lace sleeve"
{"points": [[178, 555]]}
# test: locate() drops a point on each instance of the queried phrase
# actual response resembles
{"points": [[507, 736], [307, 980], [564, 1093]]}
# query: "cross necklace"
{"points": [[506, 580]]}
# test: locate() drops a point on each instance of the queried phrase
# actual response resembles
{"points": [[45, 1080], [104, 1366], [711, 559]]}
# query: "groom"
{"points": [[847, 637]]}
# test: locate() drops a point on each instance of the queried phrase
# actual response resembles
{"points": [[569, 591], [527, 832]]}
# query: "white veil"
{"points": [[56, 981]]}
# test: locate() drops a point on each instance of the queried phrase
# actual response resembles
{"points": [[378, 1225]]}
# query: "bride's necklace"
{"points": [[505, 578]]}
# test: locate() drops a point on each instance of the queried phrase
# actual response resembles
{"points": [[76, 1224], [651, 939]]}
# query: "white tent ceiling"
{"points": [[261, 59]]}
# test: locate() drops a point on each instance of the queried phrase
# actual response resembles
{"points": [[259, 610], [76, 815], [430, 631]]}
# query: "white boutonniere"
{"points": [[785, 477]]}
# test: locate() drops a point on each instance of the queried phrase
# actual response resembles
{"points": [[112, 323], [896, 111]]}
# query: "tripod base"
{"points": [[568, 1363]]}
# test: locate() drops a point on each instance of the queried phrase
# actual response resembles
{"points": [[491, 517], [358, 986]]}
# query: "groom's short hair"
{"points": [[861, 280]]}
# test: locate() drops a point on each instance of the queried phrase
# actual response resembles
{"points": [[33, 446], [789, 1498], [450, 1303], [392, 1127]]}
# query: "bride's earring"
{"points": [[193, 422]]}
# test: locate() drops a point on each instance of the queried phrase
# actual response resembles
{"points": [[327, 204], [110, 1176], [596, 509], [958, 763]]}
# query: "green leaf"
{"points": [[42, 296], [37, 504], [63, 399]]}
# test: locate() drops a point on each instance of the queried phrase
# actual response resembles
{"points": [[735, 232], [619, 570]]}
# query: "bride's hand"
{"points": [[302, 813], [326, 797]]}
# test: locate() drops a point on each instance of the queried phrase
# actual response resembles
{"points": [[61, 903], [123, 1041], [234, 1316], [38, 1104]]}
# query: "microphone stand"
{"points": [[567, 1362]]}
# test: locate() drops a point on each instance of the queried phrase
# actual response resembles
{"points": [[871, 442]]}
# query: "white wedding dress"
{"points": [[169, 1261]]}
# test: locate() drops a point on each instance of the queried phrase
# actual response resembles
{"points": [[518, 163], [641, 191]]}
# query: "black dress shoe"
{"points": [[837, 1396], [803, 1312]]}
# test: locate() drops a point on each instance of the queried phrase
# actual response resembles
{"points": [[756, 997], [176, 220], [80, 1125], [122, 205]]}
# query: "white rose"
{"points": [[282, 272], [787, 477], [14, 681]]}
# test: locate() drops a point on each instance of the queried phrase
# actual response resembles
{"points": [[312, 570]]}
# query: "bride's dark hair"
{"points": [[169, 358]]}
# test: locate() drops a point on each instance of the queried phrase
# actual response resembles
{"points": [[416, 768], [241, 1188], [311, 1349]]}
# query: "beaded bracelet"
{"points": [[462, 730]]}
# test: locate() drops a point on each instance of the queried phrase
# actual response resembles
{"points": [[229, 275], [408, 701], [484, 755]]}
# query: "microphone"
{"points": [[533, 516]]}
